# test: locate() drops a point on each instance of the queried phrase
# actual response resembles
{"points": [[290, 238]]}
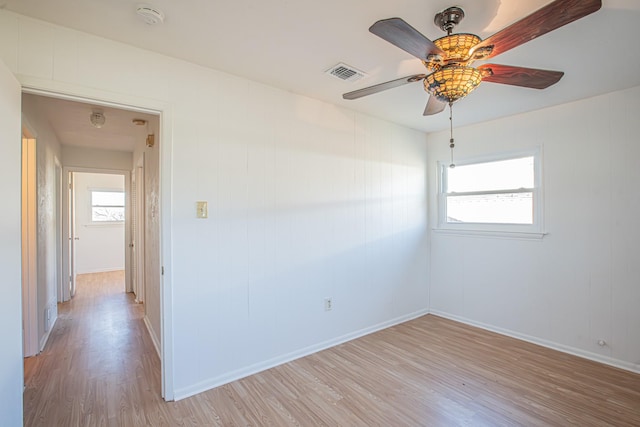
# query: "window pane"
{"points": [[107, 198], [510, 208], [107, 214], [501, 175]]}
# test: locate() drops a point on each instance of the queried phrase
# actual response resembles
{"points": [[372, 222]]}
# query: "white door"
{"points": [[29, 248], [139, 231], [60, 282], [132, 243], [11, 375], [73, 237]]}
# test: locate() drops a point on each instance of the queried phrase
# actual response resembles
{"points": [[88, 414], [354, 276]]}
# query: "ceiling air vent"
{"points": [[346, 72]]}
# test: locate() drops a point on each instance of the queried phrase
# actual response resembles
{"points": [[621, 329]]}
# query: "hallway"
{"points": [[99, 366]]}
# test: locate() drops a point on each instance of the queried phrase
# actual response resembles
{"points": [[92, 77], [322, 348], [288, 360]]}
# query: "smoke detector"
{"points": [[150, 15]]}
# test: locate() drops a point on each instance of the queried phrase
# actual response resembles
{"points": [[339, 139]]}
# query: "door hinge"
{"points": [[162, 270]]}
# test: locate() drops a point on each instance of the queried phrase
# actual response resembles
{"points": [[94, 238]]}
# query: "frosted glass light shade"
{"points": [[452, 82], [457, 46]]}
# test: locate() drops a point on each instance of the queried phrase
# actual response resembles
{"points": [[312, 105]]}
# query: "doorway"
{"points": [[97, 224], [80, 160]]}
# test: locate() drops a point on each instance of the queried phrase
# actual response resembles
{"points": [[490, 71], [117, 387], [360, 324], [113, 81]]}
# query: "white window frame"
{"points": [[105, 190], [525, 231]]}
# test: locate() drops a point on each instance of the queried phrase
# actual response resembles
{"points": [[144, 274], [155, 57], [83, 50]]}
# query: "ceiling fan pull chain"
{"points": [[451, 141]]}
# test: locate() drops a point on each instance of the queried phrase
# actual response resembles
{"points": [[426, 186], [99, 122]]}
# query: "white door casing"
{"points": [[60, 281], [137, 229], [132, 243], [73, 236], [29, 247], [163, 110], [11, 362]]}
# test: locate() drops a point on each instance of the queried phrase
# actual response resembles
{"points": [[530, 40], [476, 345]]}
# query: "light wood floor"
{"points": [[100, 369]]}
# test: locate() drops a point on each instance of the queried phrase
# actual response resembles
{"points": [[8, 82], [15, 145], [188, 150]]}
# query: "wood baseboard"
{"points": [[45, 337], [154, 339]]}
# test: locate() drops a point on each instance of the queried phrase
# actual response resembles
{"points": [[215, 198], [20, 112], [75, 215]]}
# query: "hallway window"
{"points": [[107, 206]]}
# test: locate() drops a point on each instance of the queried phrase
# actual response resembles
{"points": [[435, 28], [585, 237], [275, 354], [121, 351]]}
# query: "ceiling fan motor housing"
{"points": [[449, 18]]}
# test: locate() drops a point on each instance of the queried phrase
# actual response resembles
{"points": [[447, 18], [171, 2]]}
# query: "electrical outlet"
{"points": [[328, 304]]}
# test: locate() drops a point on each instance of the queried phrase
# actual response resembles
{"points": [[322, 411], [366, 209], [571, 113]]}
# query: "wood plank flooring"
{"points": [[100, 369]]}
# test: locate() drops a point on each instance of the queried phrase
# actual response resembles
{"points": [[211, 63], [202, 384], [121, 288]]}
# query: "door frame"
{"points": [[30, 340], [137, 233], [69, 236], [68, 244], [162, 109], [58, 207]]}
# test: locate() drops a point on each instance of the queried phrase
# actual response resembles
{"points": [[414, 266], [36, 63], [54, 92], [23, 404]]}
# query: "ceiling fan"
{"points": [[449, 59]]}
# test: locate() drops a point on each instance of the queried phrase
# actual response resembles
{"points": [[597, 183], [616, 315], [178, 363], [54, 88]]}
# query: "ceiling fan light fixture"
{"points": [[449, 58], [452, 82]]}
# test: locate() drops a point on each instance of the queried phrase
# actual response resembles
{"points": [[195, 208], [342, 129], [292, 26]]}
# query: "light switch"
{"points": [[202, 210]]}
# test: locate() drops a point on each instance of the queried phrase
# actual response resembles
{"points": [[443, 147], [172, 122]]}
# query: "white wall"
{"points": [[581, 283], [11, 364], [100, 247], [81, 157], [306, 201], [47, 151]]}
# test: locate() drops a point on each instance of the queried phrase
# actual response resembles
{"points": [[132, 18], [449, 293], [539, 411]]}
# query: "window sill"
{"points": [[494, 234]]}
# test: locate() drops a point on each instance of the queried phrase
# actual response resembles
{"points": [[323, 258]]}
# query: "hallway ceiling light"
{"points": [[149, 14], [97, 119]]}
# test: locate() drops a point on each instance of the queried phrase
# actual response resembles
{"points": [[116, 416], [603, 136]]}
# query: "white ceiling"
{"points": [[70, 122], [291, 43]]}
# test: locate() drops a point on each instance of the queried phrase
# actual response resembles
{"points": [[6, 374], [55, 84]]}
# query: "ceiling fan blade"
{"points": [[552, 16], [434, 106], [383, 86], [399, 33], [519, 76]]}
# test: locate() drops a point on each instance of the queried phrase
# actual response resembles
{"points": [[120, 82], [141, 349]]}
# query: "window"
{"points": [[498, 194], [107, 206]]}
